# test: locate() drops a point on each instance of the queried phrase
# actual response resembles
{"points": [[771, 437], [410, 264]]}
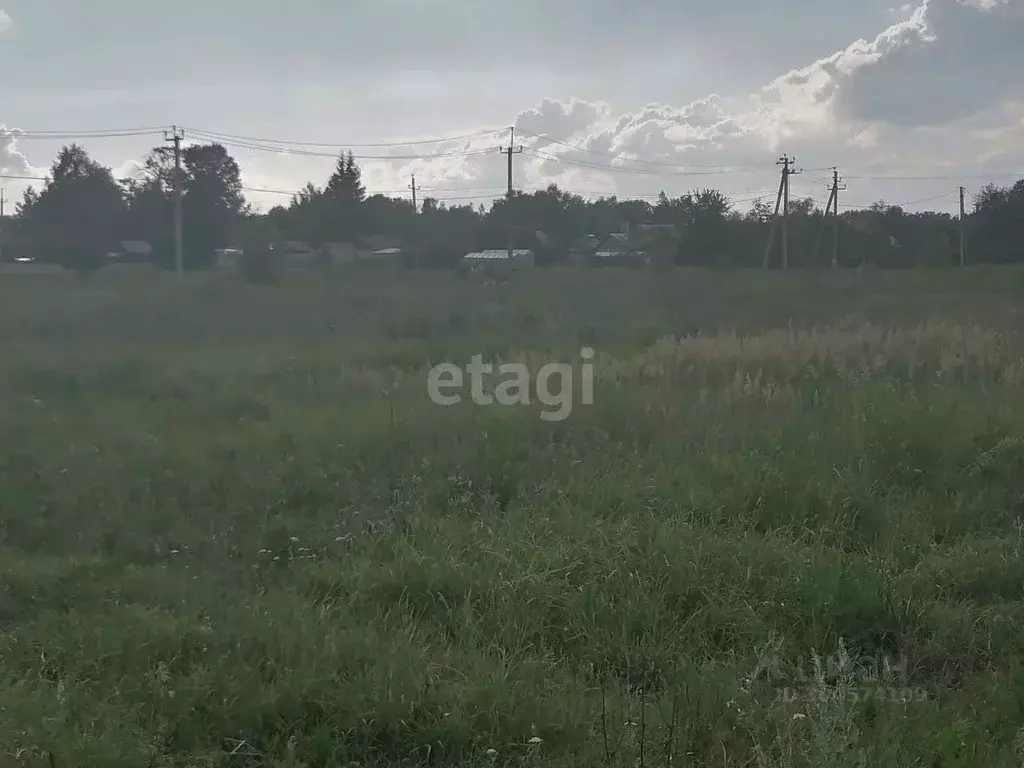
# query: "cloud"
{"points": [[6, 22], [949, 60], [938, 91], [12, 160], [561, 121]]}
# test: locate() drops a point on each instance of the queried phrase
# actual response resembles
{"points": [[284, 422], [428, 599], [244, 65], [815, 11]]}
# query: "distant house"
{"points": [[296, 254], [340, 253], [381, 243], [228, 258], [641, 245], [132, 251], [130, 257], [618, 249], [384, 250], [499, 259], [582, 250]]}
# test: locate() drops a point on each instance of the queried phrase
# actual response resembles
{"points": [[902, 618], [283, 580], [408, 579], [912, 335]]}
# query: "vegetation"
{"points": [[235, 531], [81, 203]]}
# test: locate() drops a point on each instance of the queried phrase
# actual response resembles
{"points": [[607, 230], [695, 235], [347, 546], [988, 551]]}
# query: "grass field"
{"points": [[234, 530]]}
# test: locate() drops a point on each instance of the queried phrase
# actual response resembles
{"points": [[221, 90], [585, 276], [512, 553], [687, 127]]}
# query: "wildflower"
{"points": [[799, 716], [491, 752], [535, 740], [294, 539]]}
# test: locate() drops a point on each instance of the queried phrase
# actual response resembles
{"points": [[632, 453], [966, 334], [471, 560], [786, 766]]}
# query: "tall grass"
{"points": [[234, 531]]}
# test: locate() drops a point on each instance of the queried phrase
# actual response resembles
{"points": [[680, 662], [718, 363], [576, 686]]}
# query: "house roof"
{"points": [[586, 243], [137, 247], [617, 242], [614, 254], [497, 254], [641, 237]]}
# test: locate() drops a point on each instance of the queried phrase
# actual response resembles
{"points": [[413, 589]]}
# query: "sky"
{"points": [[607, 96]]}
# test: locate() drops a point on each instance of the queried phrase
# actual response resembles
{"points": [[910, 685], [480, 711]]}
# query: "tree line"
{"points": [[81, 213]]}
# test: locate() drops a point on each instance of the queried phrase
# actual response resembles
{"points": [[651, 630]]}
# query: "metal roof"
{"points": [[136, 246], [498, 254], [618, 254]]}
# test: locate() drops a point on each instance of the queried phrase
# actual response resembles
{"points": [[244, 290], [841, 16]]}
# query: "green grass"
{"points": [[234, 531]]}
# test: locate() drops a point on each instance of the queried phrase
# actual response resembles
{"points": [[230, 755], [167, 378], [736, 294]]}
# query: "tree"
{"points": [[28, 200], [149, 215], [346, 182], [213, 201], [76, 220], [760, 212], [211, 206], [997, 226]]}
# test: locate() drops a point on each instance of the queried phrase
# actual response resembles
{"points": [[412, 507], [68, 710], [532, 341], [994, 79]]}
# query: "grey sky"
{"points": [[386, 69]]}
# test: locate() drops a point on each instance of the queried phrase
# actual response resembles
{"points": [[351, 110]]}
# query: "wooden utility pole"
{"points": [[175, 136], [824, 224], [786, 162], [781, 200], [415, 209], [835, 216], [510, 150], [963, 231]]}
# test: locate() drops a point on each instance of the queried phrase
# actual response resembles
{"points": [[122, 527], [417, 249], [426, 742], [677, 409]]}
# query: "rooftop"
{"points": [[498, 254]]}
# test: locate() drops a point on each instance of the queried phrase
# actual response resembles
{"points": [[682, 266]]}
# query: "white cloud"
{"points": [[933, 94], [12, 160], [936, 93], [6, 22]]}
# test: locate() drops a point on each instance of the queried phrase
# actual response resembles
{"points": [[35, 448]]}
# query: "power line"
{"points": [[281, 150], [631, 171], [857, 206], [945, 177], [346, 145], [371, 193], [23, 178], [110, 133]]}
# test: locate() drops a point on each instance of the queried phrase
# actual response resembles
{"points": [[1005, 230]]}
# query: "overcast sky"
{"points": [[706, 94]]}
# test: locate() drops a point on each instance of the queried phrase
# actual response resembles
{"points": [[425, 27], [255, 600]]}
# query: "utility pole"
{"points": [[835, 216], [3, 201], [415, 209], [510, 150], [963, 231], [781, 200], [175, 136], [786, 162]]}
